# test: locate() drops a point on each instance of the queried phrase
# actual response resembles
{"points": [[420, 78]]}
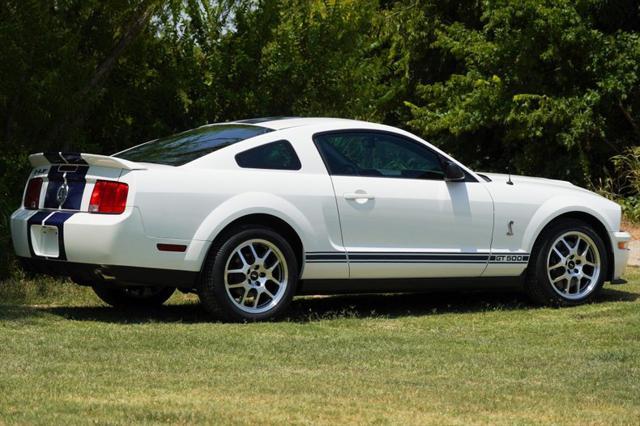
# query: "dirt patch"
{"points": [[634, 256], [634, 245]]}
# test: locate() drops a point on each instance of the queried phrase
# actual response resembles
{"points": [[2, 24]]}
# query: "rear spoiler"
{"points": [[76, 158]]}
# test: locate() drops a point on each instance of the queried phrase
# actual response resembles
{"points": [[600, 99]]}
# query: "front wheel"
{"points": [[569, 265], [133, 296], [250, 275]]}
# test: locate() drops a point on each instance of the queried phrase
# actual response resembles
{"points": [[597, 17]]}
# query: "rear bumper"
{"points": [[100, 239], [620, 255], [88, 274]]}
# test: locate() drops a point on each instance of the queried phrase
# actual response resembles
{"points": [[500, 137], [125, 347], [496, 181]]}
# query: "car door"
{"points": [[399, 217]]}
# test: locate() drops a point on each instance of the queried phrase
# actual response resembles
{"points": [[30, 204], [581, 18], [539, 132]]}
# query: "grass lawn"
{"points": [[433, 358]]}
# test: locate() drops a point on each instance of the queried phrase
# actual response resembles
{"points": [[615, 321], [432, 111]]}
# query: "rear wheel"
{"points": [[250, 275], [133, 296], [569, 264]]}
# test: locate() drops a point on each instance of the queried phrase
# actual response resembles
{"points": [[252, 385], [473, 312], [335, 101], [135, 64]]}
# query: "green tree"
{"points": [[546, 86]]}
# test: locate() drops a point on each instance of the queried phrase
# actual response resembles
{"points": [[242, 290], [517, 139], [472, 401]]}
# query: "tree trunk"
{"points": [[629, 119]]}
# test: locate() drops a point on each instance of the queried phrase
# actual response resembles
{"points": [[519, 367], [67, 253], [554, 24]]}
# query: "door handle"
{"points": [[358, 196]]}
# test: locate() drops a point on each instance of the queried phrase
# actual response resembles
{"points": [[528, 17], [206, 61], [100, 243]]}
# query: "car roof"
{"points": [[279, 123]]}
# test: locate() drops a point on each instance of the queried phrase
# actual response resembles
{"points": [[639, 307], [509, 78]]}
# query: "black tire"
{"points": [[220, 302], [539, 286], [134, 296]]}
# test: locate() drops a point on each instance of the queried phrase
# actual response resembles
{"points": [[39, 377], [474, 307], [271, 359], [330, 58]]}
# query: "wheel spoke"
{"points": [[266, 255], [272, 268], [567, 245], [562, 258], [586, 250], [242, 259], [244, 296], [578, 241], [578, 280], [557, 265], [256, 299], [239, 285], [560, 278], [254, 253], [236, 271], [273, 280]]}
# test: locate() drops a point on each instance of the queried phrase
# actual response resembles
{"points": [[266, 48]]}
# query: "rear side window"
{"points": [[187, 146], [278, 155]]}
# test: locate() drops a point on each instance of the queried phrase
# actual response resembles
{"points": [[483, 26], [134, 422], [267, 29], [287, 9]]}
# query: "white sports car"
{"points": [[249, 213]]}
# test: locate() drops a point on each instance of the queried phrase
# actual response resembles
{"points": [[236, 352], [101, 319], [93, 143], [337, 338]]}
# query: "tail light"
{"points": [[32, 195], [108, 197]]}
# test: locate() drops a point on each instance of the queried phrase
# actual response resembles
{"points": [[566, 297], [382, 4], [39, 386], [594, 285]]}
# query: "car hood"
{"points": [[503, 178]]}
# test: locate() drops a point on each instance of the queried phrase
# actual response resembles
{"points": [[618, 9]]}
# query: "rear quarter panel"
{"points": [[197, 201]]}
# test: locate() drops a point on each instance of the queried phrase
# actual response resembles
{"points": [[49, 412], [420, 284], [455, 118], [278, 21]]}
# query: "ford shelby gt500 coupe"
{"points": [[248, 213]]}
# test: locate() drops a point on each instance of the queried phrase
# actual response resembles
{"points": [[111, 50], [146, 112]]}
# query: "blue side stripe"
{"points": [[415, 257]]}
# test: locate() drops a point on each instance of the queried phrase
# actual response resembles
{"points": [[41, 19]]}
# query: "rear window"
{"points": [[187, 146]]}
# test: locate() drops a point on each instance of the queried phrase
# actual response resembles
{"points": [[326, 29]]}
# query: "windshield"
{"points": [[187, 146]]}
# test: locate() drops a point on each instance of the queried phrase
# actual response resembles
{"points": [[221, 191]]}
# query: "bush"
{"points": [[14, 169], [627, 184], [628, 167], [631, 208]]}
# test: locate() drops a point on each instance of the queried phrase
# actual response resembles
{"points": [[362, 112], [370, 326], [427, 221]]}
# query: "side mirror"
{"points": [[453, 172]]}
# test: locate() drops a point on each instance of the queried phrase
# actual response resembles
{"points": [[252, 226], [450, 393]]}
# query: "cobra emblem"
{"points": [[61, 196], [510, 228]]}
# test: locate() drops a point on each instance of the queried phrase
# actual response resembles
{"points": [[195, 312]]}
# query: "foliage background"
{"points": [[543, 87]]}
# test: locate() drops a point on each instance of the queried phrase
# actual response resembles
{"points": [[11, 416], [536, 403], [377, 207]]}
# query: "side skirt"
{"points": [[354, 286]]}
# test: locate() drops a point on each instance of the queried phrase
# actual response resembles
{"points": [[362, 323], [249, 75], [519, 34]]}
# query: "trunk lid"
{"points": [[68, 178]]}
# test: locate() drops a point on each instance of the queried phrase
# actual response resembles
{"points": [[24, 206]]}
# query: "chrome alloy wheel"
{"points": [[256, 276], [573, 265]]}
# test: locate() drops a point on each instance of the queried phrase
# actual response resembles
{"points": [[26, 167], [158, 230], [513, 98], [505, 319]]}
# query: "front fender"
{"points": [[601, 209]]}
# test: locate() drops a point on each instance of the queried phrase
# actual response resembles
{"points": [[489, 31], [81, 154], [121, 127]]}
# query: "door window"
{"points": [[377, 154]]}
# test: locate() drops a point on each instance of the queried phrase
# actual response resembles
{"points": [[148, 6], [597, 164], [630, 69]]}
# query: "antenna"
{"points": [[509, 182]]}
